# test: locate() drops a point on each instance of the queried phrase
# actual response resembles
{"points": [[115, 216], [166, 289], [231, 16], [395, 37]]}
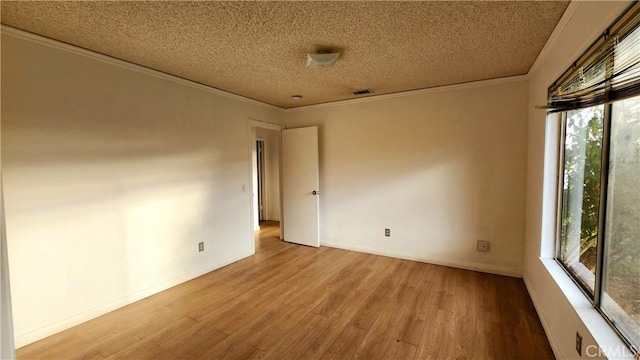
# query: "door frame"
{"points": [[252, 124]]}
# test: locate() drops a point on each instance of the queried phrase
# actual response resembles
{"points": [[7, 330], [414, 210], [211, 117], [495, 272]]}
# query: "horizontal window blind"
{"points": [[609, 70]]}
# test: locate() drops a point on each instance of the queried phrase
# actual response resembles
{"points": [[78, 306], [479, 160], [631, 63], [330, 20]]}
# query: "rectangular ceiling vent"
{"points": [[363, 92]]}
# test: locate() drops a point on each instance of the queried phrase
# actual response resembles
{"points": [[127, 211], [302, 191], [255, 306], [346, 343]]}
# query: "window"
{"points": [[581, 192], [621, 268], [599, 195]]}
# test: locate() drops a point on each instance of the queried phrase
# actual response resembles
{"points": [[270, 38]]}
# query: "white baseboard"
{"points": [[499, 270], [48, 330], [545, 324]]}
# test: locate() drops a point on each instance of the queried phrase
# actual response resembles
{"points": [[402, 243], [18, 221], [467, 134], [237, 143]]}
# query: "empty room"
{"points": [[320, 180]]}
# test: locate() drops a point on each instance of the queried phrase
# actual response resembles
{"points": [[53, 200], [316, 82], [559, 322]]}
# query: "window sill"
{"points": [[585, 276], [598, 327]]}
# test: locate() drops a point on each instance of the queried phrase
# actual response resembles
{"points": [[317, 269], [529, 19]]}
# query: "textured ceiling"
{"points": [[257, 49]]}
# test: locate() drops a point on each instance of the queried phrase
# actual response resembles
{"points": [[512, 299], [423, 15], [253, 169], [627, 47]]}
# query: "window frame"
{"points": [[602, 201], [596, 297], [563, 97], [560, 200]]}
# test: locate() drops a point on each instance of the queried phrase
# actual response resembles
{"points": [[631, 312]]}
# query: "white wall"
{"points": [[441, 169], [272, 176], [112, 177], [562, 308]]}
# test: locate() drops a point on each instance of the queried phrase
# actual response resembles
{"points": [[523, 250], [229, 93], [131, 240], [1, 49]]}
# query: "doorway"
{"points": [[298, 181], [266, 177], [265, 186]]}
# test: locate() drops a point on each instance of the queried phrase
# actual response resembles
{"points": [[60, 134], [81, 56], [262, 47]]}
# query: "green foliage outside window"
{"points": [[579, 227]]}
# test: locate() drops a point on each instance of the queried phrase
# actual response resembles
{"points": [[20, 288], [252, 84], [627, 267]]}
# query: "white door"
{"points": [[300, 191]]}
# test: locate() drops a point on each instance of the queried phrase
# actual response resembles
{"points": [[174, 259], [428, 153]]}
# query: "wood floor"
{"points": [[297, 302]]}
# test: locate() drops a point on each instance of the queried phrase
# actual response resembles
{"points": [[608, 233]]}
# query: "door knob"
{"points": [[314, 192]]}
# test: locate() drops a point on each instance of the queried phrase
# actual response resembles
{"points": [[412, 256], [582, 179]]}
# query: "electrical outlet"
{"points": [[579, 343], [387, 232], [200, 246], [482, 246]]}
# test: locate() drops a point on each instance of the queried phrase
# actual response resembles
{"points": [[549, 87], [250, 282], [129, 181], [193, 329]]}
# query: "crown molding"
{"points": [[573, 6], [38, 39], [555, 34], [21, 34], [466, 85]]}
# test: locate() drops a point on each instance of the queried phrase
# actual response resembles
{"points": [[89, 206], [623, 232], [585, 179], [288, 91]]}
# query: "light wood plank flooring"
{"points": [[297, 302]]}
